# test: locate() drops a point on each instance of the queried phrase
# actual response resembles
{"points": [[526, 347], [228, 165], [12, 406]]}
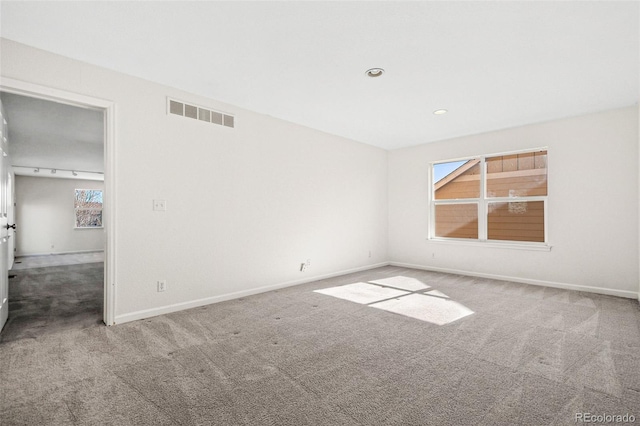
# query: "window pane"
{"points": [[457, 220], [88, 199], [516, 221], [88, 218], [457, 179], [518, 175]]}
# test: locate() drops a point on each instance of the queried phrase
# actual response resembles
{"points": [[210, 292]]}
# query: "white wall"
{"points": [[593, 205], [45, 217], [245, 206]]}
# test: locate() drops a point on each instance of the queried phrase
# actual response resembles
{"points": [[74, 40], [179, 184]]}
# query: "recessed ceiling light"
{"points": [[374, 72], [440, 111]]}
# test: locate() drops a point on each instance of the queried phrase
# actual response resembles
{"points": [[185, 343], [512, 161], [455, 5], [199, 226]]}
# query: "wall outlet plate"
{"points": [[162, 285], [159, 205]]}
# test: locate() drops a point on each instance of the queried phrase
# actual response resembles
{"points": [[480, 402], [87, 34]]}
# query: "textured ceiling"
{"points": [[491, 64]]}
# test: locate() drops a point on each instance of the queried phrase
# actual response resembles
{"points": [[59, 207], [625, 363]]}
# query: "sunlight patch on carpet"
{"points": [[436, 293], [431, 306], [403, 283], [362, 293], [425, 308]]}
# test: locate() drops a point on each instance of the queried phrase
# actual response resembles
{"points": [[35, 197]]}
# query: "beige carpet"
{"points": [[43, 261], [526, 355]]}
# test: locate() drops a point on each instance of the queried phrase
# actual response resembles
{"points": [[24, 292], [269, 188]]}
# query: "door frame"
{"points": [[19, 87]]}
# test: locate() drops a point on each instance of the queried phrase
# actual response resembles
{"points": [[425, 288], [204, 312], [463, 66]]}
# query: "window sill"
{"points": [[493, 244]]}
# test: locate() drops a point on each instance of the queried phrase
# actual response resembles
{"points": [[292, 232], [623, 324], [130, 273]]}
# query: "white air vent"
{"points": [[198, 113]]}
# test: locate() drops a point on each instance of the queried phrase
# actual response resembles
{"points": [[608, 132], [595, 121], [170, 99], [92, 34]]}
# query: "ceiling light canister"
{"points": [[374, 72], [440, 111]]}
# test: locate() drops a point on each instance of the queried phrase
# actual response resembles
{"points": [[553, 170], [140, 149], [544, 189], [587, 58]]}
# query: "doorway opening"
{"points": [[94, 217]]}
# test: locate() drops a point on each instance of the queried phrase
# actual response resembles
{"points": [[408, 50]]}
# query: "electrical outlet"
{"points": [[160, 205], [162, 285]]}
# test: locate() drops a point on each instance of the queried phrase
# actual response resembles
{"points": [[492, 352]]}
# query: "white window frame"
{"points": [[483, 202], [75, 210]]}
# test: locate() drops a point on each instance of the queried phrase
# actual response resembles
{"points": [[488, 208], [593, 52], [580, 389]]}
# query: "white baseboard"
{"points": [[565, 286], [57, 252], [147, 313]]}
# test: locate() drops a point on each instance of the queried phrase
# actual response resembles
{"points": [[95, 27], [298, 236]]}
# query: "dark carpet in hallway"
{"points": [[48, 300]]}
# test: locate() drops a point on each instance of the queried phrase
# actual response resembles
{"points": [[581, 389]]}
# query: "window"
{"points": [[88, 208], [491, 198]]}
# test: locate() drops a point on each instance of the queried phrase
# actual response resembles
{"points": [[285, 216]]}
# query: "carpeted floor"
{"points": [[526, 355], [41, 261], [47, 300]]}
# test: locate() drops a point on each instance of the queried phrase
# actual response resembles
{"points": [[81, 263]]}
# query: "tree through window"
{"points": [[88, 208]]}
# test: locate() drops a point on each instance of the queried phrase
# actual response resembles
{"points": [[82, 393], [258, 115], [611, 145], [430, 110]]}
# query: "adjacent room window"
{"points": [[88, 208], [491, 198]]}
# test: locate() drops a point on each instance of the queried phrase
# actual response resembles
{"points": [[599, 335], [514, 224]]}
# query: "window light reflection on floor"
{"points": [[403, 283], [432, 306], [436, 293], [363, 293]]}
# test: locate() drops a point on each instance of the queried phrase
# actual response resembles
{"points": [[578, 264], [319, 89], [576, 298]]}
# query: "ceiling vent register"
{"points": [[202, 114]]}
